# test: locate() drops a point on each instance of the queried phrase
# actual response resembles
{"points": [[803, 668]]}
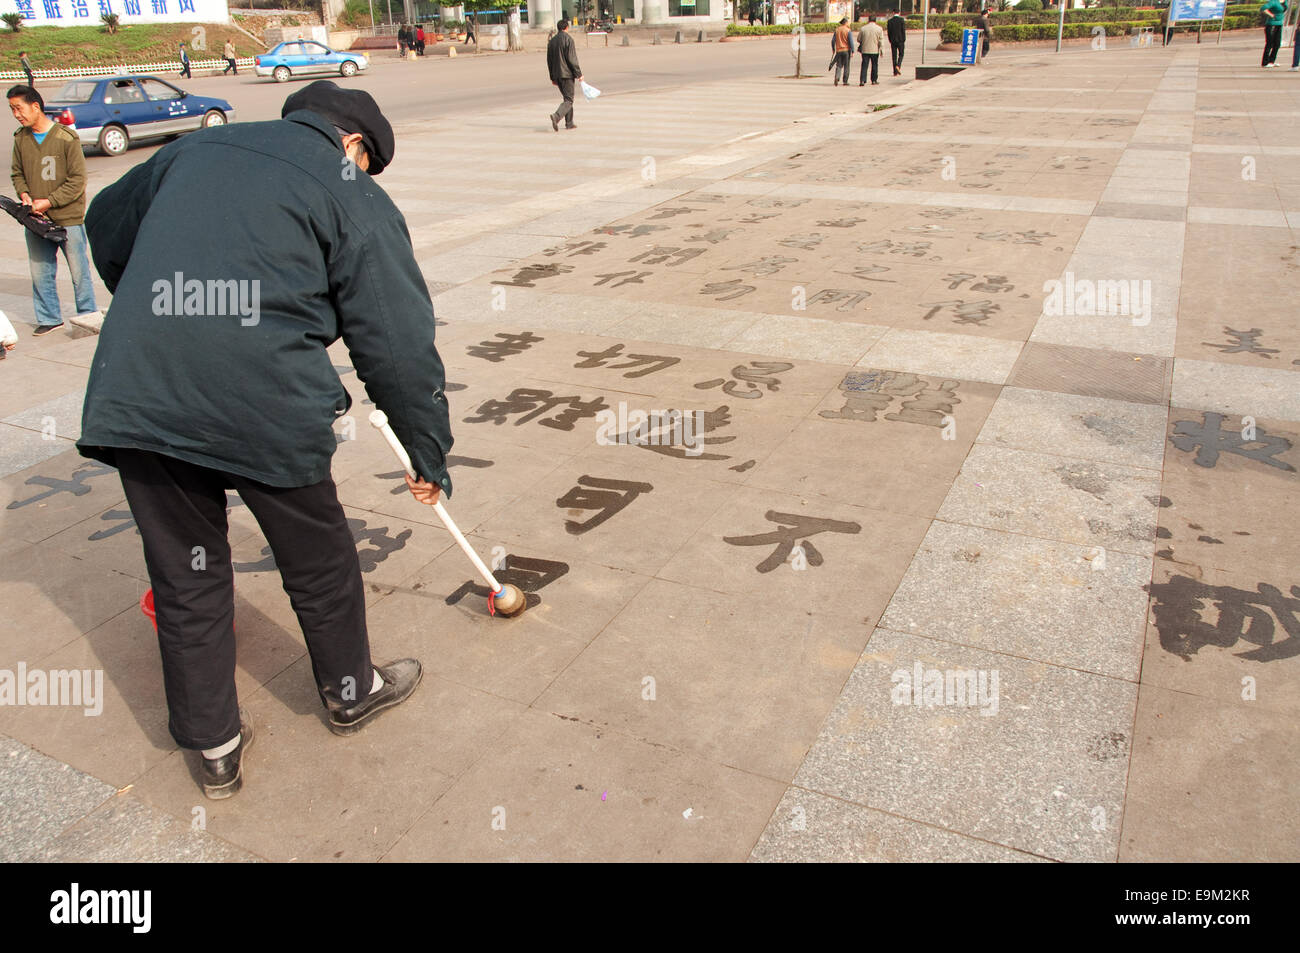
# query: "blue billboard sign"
{"points": [[970, 46], [1196, 10]]}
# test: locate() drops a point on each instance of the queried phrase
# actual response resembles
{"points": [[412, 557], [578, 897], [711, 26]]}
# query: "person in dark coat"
{"points": [[896, 29], [562, 64], [185, 63], [986, 31], [470, 36], [212, 373]]}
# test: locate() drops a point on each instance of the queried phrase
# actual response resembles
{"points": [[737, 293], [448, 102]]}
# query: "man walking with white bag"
{"points": [[562, 63]]}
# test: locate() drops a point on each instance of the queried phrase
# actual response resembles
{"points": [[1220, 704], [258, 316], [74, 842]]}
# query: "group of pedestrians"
{"points": [[410, 38], [870, 43]]}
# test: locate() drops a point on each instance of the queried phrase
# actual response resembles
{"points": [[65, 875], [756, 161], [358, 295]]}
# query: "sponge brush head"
{"points": [[510, 602]]}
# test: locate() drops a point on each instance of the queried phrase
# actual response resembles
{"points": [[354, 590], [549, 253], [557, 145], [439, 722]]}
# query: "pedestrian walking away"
{"points": [[897, 29], [49, 174], [228, 54], [419, 40], [871, 39], [1166, 28], [185, 62], [1273, 14], [841, 51], [194, 392], [986, 31], [562, 64], [27, 68]]}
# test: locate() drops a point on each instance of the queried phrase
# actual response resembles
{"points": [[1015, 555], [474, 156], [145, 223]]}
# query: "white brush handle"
{"points": [[379, 420]]}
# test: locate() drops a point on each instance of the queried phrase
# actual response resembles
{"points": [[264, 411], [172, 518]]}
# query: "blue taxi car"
{"points": [[112, 112], [305, 57]]}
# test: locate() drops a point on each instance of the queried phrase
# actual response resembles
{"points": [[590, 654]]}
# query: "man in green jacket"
{"points": [[1274, 15], [212, 373], [49, 174]]}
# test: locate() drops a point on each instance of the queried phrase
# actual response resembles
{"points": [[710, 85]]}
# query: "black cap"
{"points": [[352, 109]]}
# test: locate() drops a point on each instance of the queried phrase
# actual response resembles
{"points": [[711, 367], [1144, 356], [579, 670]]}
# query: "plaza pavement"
{"points": [[907, 468]]}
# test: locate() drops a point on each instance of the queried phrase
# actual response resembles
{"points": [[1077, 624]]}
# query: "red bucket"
{"points": [[146, 606]]}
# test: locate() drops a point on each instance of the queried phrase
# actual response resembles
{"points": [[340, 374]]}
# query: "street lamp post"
{"points": [[1060, 26]]}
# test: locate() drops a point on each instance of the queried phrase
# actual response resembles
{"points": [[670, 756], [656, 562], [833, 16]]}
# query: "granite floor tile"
{"points": [[1091, 428], [44, 796], [1035, 760], [1033, 598], [124, 830], [811, 828], [1056, 497]]}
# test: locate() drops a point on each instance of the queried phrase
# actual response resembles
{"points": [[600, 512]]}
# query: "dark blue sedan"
{"points": [[112, 112]]}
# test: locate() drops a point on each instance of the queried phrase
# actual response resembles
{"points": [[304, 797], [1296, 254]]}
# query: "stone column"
{"points": [[654, 11], [541, 16]]}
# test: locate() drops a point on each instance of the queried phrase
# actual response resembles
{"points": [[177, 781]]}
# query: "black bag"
{"points": [[34, 222]]}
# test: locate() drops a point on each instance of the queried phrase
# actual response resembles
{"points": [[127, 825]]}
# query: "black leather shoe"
{"points": [[400, 679], [224, 776]]}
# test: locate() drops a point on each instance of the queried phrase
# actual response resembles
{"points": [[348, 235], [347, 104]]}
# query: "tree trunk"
{"points": [[514, 42]]}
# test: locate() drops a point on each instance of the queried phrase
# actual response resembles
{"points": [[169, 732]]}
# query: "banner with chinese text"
{"points": [[88, 12]]}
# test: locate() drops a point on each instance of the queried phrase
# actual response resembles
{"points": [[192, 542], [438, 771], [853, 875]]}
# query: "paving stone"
{"points": [[549, 776], [1232, 389], [1093, 428], [1093, 372], [314, 796], [44, 796], [1056, 497], [1210, 782], [813, 828], [1025, 597], [962, 356], [1041, 768], [123, 830]]}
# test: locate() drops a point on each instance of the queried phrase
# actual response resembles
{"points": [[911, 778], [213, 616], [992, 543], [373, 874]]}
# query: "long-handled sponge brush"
{"points": [[506, 599]]}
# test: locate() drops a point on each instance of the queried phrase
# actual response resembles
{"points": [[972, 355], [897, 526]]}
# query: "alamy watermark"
{"points": [[179, 296], [57, 688], [958, 687], [655, 428], [1085, 297]]}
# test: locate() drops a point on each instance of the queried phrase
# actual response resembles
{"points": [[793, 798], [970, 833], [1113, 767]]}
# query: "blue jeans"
{"points": [[43, 257]]}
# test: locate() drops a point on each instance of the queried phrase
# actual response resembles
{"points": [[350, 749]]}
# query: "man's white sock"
{"points": [[222, 750], [378, 682]]}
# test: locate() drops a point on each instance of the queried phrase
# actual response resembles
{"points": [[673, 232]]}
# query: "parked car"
{"points": [[304, 57], [112, 112]]}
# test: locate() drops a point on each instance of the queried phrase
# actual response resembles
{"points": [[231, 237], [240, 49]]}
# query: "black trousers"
{"points": [[185, 69], [565, 111], [896, 53], [873, 59], [1272, 43], [230, 65], [178, 508]]}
